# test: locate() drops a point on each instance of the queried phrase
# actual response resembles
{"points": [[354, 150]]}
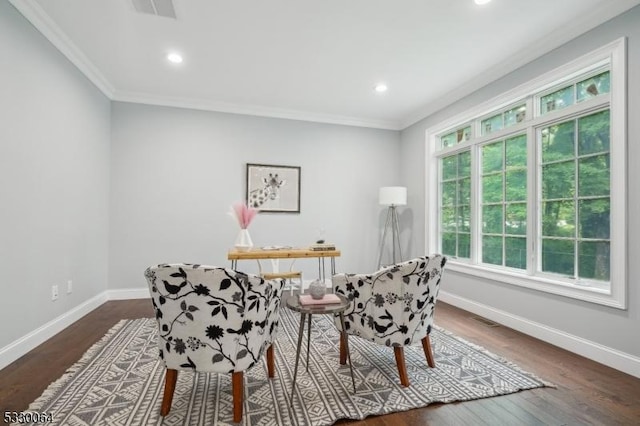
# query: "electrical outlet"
{"points": [[54, 292], [69, 286]]}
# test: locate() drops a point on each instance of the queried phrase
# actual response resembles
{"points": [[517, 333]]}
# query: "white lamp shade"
{"points": [[393, 196]]}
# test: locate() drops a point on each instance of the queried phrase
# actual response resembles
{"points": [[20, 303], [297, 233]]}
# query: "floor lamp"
{"points": [[392, 196]]}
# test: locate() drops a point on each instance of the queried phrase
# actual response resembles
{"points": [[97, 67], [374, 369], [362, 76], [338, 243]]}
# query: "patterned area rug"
{"points": [[119, 381]]}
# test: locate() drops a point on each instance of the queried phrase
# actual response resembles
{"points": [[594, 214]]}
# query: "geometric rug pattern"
{"points": [[120, 380]]}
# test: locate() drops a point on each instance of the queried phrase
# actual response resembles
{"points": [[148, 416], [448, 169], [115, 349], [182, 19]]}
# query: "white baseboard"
{"points": [[610, 357], [18, 348], [132, 293]]}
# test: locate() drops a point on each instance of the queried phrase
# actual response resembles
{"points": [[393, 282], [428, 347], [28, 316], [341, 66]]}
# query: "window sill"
{"points": [[547, 285]]}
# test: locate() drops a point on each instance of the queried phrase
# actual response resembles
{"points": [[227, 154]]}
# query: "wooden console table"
{"points": [[286, 253]]}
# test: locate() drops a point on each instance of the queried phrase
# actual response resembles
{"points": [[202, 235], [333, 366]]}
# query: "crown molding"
{"points": [[255, 110], [546, 44], [32, 11]]}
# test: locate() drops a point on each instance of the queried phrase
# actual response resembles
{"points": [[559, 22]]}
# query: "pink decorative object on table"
{"points": [[243, 215]]}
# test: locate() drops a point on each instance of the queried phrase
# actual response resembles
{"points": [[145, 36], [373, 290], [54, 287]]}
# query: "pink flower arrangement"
{"points": [[243, 214]]}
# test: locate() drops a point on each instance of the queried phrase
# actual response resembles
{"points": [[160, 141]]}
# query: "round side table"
{"points": [[306, 311]]}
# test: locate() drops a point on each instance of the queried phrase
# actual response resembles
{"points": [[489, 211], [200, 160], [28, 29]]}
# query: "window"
{"points": [[575, 201], [583, 90], [504, 119], [504, 202], [457, 136], [455, 218], [523, 190]]}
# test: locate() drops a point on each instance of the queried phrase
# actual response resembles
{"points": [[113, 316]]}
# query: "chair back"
{"points": [[393, 306], [212, 319]]}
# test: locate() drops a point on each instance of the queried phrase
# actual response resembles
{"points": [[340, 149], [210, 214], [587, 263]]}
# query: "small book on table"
{"points": [[327, 299], [322, 247]]}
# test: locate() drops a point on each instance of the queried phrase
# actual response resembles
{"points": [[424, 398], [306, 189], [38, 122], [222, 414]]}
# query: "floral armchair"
{"points": [[213, 319], [393, 306]]}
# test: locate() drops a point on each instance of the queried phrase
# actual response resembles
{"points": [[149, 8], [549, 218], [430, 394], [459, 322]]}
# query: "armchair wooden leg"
{"points": [[270, 361], [428, 352], [237, 387], [402, 367], [343, 348], [170, 378]]}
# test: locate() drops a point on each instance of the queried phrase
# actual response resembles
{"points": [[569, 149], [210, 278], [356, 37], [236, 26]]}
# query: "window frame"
{"points": [[611, 56]]}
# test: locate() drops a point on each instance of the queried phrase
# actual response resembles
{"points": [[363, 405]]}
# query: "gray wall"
{"points": [[607, 326], [54, 177], [175, 173]]}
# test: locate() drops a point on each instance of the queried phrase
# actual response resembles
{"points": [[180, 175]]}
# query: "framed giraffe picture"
{"points": [[272, 188]]}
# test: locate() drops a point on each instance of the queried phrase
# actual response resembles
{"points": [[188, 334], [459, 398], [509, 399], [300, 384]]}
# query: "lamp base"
{"points": [[391, 222]]}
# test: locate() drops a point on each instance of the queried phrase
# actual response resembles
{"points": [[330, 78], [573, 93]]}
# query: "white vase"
{"points": [[243, 241]]}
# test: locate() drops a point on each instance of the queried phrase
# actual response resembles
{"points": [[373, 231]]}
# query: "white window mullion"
{"points": [[576, 216], [530, 104], [618, 157], [432, 180], [534, 197], [476, 200]]}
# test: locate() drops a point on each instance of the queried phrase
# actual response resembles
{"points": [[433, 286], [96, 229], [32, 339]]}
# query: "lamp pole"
{"points": [[392, 221], [392, 196]]}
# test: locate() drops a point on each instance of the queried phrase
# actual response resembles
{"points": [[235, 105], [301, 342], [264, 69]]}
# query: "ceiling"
{"points": [[310, 60]]}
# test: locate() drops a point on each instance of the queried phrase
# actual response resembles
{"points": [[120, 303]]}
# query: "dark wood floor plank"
{"points": [[586, 392]]}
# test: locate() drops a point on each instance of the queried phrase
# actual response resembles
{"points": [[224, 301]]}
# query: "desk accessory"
{"points": [[327, 299], [322, 247]]}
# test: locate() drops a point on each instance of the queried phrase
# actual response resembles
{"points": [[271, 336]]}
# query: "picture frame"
{"points": [[273, 188]]}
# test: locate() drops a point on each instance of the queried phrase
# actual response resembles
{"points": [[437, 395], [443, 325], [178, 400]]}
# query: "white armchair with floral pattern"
{"points": [[213, 319], [393, 306]]}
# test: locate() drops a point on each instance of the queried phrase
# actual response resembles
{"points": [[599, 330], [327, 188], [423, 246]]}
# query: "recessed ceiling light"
{"points": [[481, 2], [380, 87], [175, 58]]}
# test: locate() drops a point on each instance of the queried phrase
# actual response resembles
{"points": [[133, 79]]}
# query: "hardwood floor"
{"points": [[586, 392]]}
